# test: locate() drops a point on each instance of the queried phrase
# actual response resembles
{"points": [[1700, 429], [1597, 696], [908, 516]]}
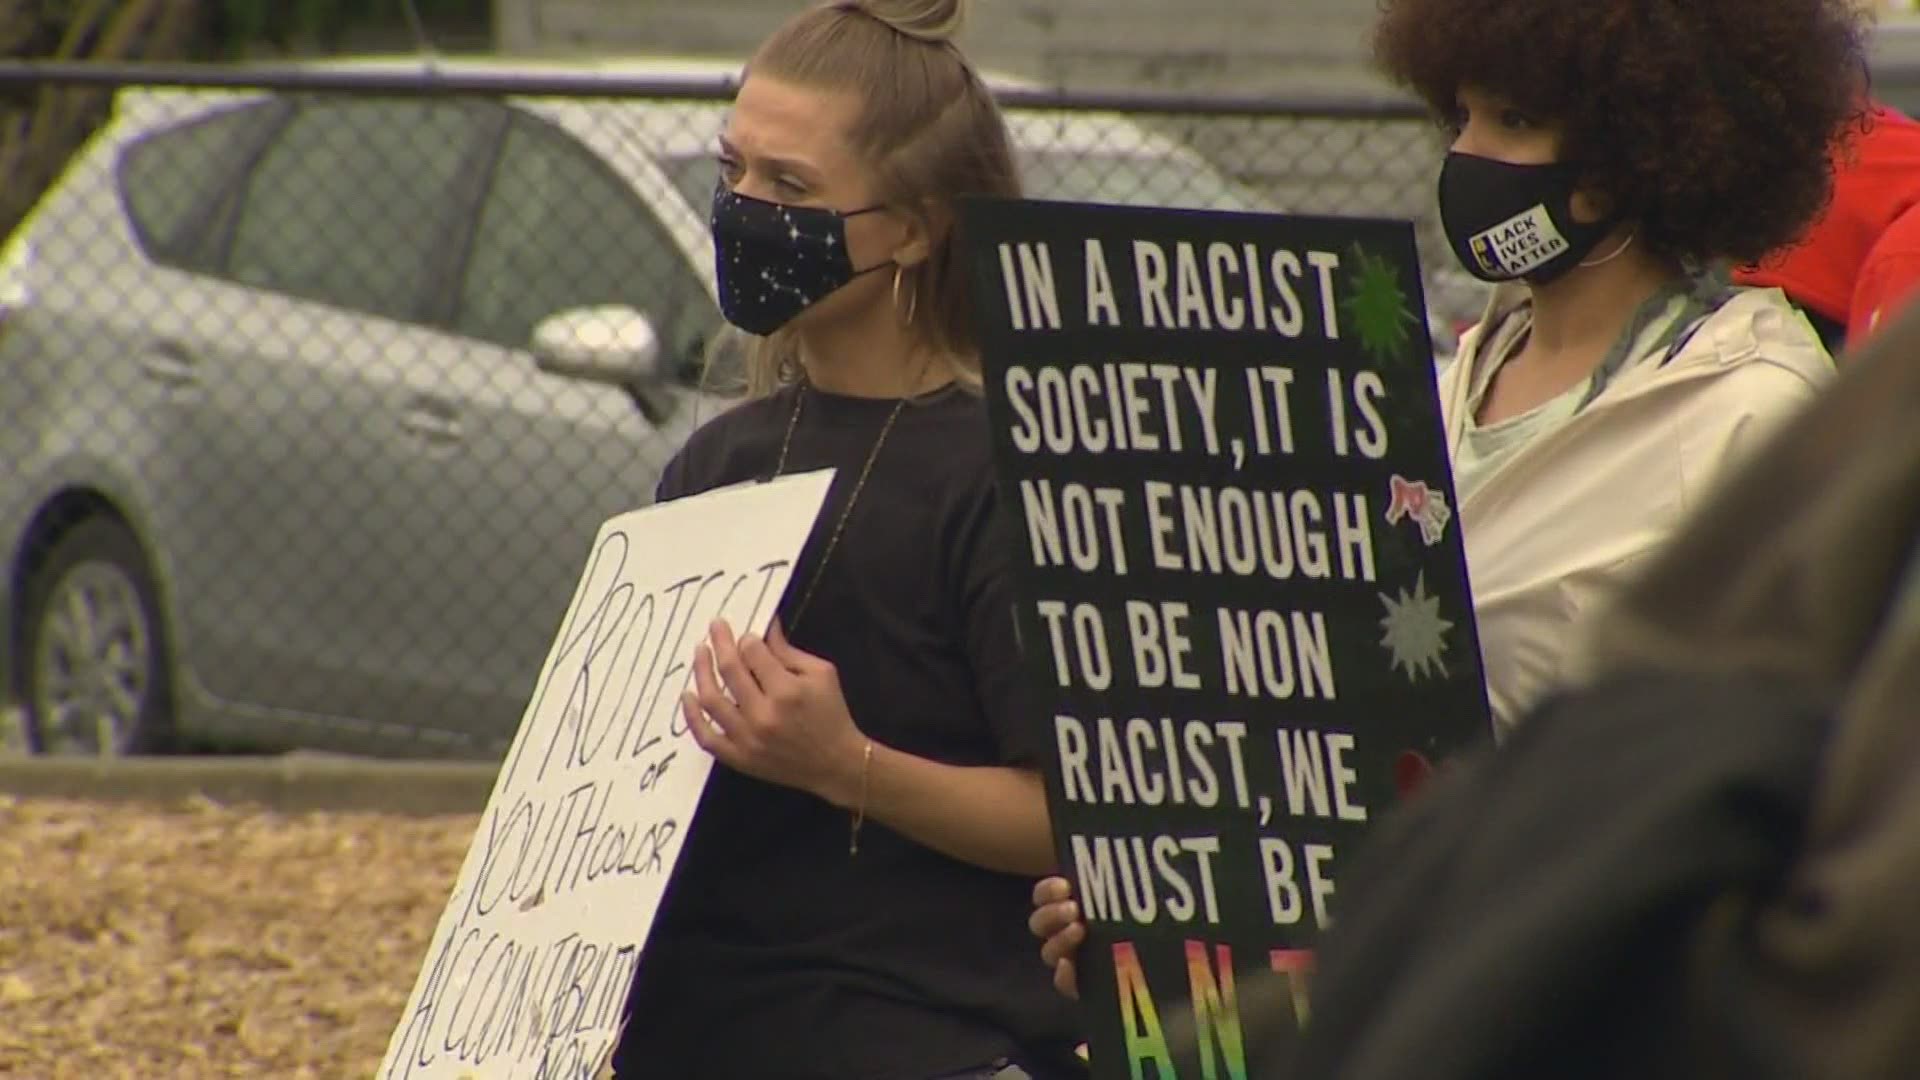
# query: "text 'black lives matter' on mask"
{"points": [[1508, 221], [772, 262]]}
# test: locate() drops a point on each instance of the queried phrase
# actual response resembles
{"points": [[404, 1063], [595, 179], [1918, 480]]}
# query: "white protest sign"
{"points": [[528, 972]]}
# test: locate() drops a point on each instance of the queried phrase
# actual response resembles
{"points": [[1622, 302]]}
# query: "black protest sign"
{"points": [[1244, 594]]}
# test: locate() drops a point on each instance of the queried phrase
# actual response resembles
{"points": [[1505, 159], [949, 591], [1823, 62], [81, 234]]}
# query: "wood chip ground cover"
{"points": [[208, 941]]}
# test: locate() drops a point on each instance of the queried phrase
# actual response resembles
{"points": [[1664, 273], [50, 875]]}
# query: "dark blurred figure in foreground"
{"points": [[1704, 862]]}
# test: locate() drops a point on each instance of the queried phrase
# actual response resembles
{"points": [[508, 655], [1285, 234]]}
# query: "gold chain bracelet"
{"points": [[860, 810]]}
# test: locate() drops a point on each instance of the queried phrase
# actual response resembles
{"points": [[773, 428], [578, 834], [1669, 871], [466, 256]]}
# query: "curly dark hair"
{"points": [[1710, 122]]}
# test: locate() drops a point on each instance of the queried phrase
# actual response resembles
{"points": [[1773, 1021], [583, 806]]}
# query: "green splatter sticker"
{"points": [[1377, 307]]}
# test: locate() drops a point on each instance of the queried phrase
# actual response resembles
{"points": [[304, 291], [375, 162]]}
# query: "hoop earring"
{"points": [[1615, 253], [913, 296]]}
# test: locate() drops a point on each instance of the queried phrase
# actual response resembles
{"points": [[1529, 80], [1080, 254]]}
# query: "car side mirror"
{"points": [[609, 344]]}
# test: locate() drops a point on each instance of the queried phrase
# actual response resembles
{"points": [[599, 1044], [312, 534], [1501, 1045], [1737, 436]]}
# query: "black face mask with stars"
{"points": [[773, 262]]}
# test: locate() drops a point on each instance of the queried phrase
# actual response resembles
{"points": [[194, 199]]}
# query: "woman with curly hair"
{"points": [[1610, 160]]}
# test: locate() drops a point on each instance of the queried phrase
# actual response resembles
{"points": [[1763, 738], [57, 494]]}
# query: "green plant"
{"points": [[41, 125], [240, 25]]}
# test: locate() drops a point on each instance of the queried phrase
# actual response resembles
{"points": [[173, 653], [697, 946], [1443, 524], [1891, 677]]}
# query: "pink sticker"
{"points": [[1425, 505]]}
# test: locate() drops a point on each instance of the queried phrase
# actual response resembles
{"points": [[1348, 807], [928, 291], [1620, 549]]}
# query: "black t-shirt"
{"points": [[778, 955]]}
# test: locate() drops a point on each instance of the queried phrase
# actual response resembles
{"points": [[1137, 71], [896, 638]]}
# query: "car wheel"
{"points": [[94, 666]]}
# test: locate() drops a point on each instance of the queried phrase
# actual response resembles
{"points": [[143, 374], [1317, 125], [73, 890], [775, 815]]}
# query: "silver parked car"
{"points": [[312, 403]]}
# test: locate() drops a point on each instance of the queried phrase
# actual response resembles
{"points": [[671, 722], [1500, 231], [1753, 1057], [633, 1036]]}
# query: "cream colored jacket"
{"points": [[1553, 533]]}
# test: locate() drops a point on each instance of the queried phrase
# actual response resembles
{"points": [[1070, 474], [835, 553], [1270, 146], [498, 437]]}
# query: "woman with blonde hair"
{"points": [[848, 905]]}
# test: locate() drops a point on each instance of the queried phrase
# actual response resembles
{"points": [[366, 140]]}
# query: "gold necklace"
{"points": [[833, 541]]}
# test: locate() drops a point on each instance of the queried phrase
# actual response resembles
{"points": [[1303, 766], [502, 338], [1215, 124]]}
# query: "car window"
{"points": [[354, 203], [561, 230], [693, 176], [168, 175]]}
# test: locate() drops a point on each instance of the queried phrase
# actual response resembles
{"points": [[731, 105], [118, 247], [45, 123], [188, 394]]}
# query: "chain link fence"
{"points": [[313, 387]]}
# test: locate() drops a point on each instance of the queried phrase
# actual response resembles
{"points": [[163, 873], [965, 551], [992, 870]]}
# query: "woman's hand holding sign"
{"points": [[1056, 922], [774, 712]]}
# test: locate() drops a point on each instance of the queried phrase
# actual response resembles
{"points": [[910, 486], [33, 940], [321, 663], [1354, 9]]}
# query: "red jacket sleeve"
{"points": [[1888, 278]]}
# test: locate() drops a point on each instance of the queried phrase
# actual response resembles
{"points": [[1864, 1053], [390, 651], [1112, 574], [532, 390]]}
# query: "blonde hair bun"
{"points": [[936, 22]]}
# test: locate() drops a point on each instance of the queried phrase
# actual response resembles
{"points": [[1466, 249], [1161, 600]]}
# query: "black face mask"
{"points": [[1509, 221], [773, 262]]}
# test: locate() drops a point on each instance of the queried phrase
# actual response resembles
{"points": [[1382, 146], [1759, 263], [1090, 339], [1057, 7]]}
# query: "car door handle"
{"points": [[432, 420], [170, 364]]}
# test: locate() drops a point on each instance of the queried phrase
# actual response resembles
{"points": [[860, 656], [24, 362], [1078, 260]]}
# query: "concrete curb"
{"points": [[290, 784]]}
